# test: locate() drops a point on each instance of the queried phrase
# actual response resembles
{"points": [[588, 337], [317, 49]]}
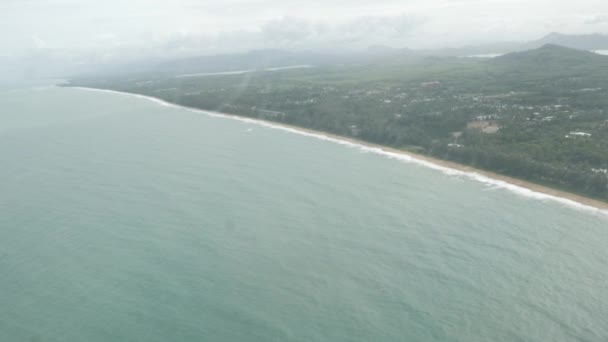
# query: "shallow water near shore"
{"points": [[123, 219]]}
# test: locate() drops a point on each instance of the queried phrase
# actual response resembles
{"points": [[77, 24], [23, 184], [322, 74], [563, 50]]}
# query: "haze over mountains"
{"points": [[591, 42], [261, 59], [50, 64], [583, 42]]}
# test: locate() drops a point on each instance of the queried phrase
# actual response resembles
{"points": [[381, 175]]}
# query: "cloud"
{"points": [[355, 33], [105, 36], [290, 31], [597, 20], [299, 34], [39, 43], [181, 27]]}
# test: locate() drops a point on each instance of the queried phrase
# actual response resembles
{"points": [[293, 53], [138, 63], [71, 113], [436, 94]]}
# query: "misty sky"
{"points": [[113, 27]]}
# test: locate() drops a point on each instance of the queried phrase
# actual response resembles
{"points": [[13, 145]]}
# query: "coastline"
{"points": [[472, 172], [516, 185]]}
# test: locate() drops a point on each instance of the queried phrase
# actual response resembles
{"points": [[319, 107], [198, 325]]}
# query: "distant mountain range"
{"points": [[549, 60], [258, 59], [254, 60], [582, 42], [549, 54], [261, 59]]}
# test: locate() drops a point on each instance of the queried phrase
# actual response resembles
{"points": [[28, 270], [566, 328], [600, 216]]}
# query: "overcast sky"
{"points": [[110, 27]]}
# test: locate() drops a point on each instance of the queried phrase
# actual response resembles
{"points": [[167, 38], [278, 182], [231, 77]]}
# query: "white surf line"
{"points": [[496, 183]]}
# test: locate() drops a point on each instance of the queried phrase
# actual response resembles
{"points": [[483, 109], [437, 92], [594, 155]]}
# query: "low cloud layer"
{"points": [[90, 31], [301, 34]]}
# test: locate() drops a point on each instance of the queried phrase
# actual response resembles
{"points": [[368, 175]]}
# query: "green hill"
{"points": [[549, 62], [582, 41]]}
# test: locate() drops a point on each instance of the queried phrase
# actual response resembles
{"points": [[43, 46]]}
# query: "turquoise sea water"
{"points": [[125, 220]]}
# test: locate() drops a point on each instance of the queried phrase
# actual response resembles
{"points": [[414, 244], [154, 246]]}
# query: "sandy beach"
{"points": [[468, 169], [510, 183]]}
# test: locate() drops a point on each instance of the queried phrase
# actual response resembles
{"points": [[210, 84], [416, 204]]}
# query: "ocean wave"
{"points": [[139, 96], [475, 176]]}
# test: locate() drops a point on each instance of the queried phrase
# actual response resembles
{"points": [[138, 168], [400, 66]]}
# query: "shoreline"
{"points": [[471, 171], [516, 185]]}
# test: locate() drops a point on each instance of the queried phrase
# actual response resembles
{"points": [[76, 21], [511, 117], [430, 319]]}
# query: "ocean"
{"points": [[127, 219]]}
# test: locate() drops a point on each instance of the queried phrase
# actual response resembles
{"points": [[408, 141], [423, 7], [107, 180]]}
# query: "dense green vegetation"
{"points": [[539, 115]]}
